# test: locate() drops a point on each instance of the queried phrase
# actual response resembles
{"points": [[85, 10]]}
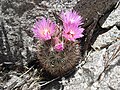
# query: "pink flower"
{"points": [[71, 17], [44, 29], [72, 32], [59, 46]]}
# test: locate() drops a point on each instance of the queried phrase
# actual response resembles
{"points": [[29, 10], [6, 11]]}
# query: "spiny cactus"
{"points": [[58, 50], [59, 63]]}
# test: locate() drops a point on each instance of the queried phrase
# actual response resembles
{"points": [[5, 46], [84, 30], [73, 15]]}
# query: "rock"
{"points": [[12, 82], [114, 53], [106, 39], [95, 63], [112, 80], [113, 17]]}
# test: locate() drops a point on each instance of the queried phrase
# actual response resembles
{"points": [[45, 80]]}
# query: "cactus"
{"points": [[58, 50], [58, 63]]}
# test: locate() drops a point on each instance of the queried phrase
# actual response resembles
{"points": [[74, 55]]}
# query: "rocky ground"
{"points": [[99, 71]]}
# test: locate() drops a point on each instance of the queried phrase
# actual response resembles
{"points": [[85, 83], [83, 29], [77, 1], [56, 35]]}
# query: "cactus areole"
{"points": [[58, 50]]}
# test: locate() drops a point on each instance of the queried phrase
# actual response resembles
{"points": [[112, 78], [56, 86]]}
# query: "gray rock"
{"points": [[95, 63], [107, 38], [113, 17], [13, 81]]}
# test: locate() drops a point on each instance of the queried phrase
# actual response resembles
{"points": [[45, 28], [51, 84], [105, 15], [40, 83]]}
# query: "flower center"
{"points": [[72, 20], [71, 33], [46, 31]]}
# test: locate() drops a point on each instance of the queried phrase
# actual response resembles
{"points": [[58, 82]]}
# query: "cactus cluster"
{"points": [[58, 50]]}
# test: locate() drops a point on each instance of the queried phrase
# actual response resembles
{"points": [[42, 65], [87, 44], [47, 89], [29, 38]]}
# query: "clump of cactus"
{"points": [[58, 49]]}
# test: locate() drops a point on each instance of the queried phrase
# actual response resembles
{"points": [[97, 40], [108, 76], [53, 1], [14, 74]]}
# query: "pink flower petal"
{"points": [[71, 17], [44, 29], [58, 44], [59, 47], [72, 32]]}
